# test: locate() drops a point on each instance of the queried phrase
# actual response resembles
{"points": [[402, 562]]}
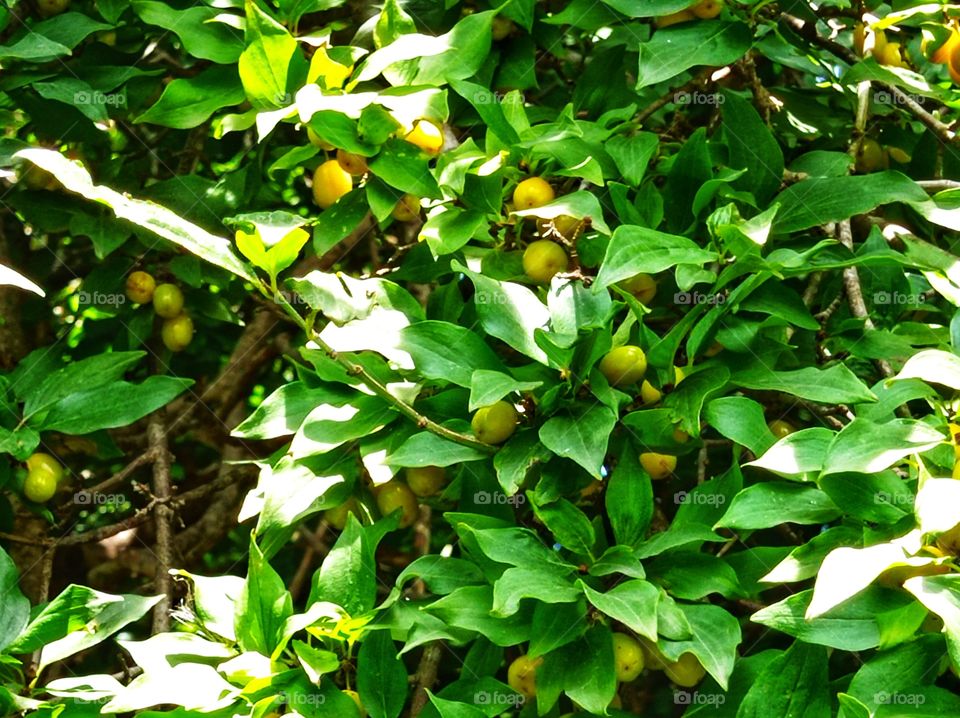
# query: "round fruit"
{"points": [[781, 428], [522, 676], [427, 136], [624, 365], [140, 286], [40, 486], [627, 657], [167, 300], [869, 155], [543, 259], [898, 155], [317, 141], [659, 466], [330, 183], [496, 423], [45, 463], [649, 394], [501, 28], [426, 480], [337, 516], [707, 9], [407, 208], [49, 8], [532, 192], [177, 333], [680, 436], [642, 286], [686, 671], [674, 18], [954, 433], [396, 495], [354, 164], [356, 699]]}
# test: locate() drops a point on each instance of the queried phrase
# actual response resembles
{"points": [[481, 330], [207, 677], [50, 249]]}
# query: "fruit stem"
{"points": [[354, 369]]}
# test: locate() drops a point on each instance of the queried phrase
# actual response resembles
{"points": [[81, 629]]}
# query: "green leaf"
{"points": [[263, 607], [348, 575], [716, 635], [52, 38], [159, 220], [742, 421], [633, 250], [271, 66], [941, 596], [515, 459], [510, 312], [15, 608], [548, 584], [816, 201], [836, 384], [555, 625], [580, 435], [446, 232], [282, 413], [868, 448], [775, 502], [392, 23], [328, 425], [488, 387], [214, 601], [934, 366], [632, 154], [455, 709], [202, 38], [793, 685], [427, 449], [752, 147], [568, 524], [403, 166], [468, 608], [580, 205], [77, 376], [187, 103], [633, 603], [798, 454], [629, 499], [852, 626], [675, 49], [448, 352], [456, 55], [117, 404]]}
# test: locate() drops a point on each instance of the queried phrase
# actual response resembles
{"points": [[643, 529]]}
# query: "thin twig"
{"points": [[162, 491]]}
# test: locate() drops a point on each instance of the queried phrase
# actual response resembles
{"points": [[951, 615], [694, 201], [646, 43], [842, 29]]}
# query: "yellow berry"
{"points": [[522, 676], [427, 136], [140, 287], [330, 183], [533, 192], [686, 671], [642, 286], [177, 333], [781, 428], [543, 259], [337, 516], [495, 423], [674, 18], [426, 480], [627, 657], [167, 300], [659, 466], [624, 365], [407, 208], [352, 163], [649, 394], [396, 495], [707, 9]]}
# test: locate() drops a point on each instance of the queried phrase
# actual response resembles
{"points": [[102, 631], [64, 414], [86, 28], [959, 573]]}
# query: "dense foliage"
{"points": [[456, 360]]}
